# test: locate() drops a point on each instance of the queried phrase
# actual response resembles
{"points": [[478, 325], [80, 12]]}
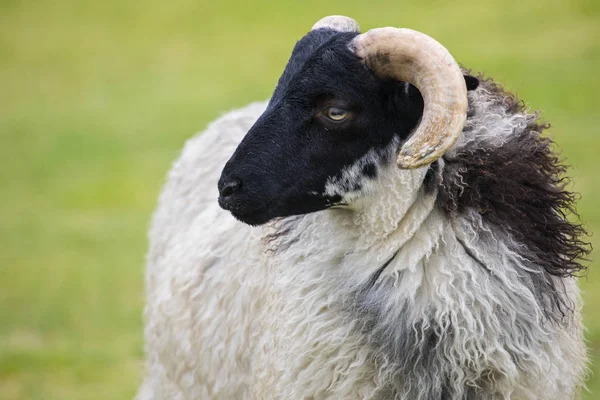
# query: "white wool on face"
{"points": [[290, 310]]}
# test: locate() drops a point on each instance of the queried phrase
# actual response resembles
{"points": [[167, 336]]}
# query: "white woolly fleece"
{"points": [[280, 311]]}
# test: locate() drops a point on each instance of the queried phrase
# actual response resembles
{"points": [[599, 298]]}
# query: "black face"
{"points": [[327, 112]]}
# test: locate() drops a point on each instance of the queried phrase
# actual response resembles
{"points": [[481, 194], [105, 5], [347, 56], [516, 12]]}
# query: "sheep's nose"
{"points": [[229, 187]]}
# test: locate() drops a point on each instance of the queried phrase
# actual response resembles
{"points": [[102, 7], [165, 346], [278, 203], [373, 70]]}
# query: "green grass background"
{"points": [[97, 98]]}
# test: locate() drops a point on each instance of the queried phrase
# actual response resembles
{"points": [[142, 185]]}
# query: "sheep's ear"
{"points": [[472, 82]]}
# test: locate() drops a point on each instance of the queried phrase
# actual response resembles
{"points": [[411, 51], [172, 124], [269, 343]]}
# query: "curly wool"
{"points": [[433, 285]]}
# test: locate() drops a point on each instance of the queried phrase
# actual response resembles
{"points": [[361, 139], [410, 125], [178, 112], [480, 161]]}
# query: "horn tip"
{"points": [[408, 159], [410, 163]]}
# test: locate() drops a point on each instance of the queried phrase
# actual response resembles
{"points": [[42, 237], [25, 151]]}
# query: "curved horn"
{"points": [[337, 23], [414, 57]]}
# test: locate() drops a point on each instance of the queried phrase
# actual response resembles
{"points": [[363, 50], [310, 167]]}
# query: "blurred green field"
{"points": [[97, 98]]}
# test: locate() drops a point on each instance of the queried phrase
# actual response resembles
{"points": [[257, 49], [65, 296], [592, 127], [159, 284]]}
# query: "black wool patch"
{"points": [[520, 189], [369, 170]]}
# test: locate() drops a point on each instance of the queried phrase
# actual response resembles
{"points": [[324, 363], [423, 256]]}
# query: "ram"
{"points": [[390, 226]]}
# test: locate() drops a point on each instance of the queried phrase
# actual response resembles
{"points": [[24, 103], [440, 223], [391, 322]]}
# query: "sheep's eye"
{"points": [[336, 114]]}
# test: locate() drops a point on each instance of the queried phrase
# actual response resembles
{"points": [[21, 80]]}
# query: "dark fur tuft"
{"points": [[519, 188]]}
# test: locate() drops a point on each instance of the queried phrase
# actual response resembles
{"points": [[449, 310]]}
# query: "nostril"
{"points": [[230, 187]]}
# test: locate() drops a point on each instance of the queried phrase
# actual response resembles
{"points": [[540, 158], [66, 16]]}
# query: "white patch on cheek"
{"points": [[351, 183], [351, 177]]}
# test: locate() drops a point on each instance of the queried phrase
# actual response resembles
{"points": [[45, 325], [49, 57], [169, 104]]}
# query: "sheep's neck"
{"points": [[387, 221], [450, 285]]}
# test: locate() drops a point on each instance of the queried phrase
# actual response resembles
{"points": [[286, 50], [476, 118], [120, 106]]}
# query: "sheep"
{"points": [[378, 234]]}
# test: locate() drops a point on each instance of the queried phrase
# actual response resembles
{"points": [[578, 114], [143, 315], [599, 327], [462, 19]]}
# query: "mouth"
{"points": [[254, 216]]}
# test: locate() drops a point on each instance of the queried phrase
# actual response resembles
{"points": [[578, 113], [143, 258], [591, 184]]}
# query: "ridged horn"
{"points": [[414, 57], [337, 23]]}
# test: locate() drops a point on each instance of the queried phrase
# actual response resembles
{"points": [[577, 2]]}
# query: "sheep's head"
{"points": [[341, 102]]}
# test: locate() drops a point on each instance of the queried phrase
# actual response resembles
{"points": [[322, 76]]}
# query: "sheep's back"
{"points": [[196, 260]]}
